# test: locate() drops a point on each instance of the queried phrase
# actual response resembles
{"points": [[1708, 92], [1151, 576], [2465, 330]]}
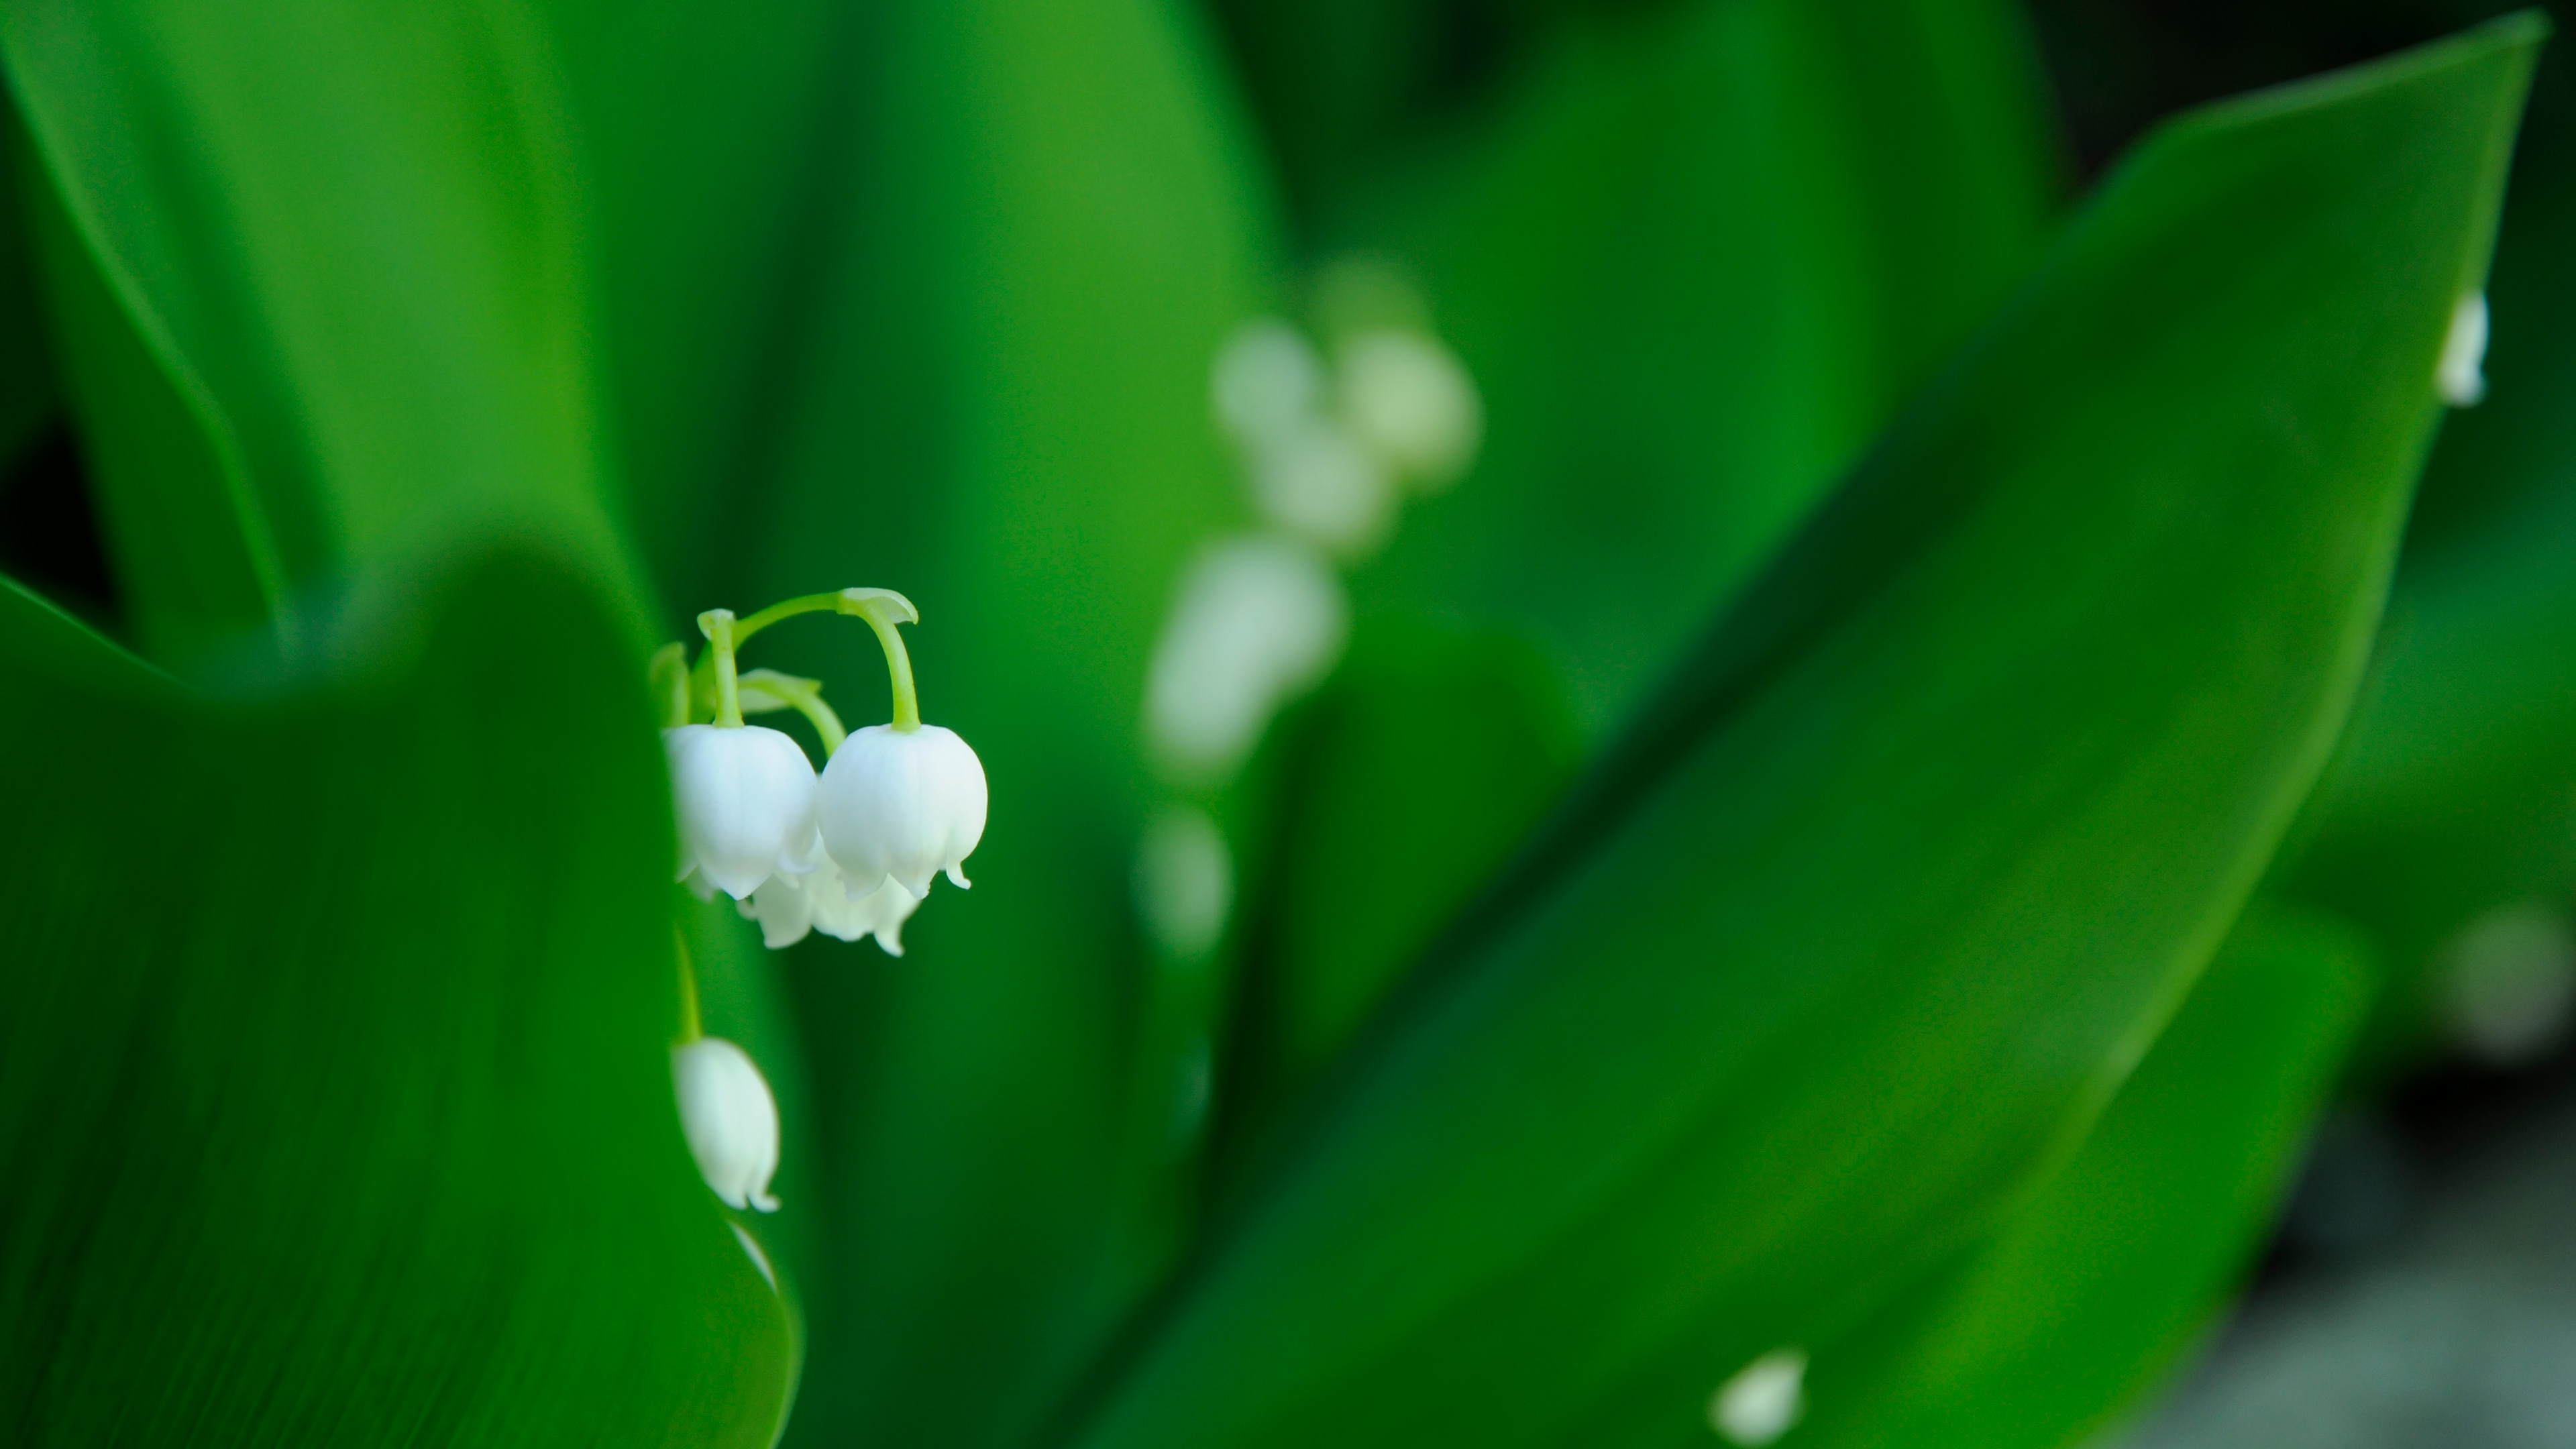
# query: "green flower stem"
{"points": [[767, 689], [718, 625], [883, 609], [690, 1030]]}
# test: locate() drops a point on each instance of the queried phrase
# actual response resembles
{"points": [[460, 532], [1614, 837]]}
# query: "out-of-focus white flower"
{"points": [[2510, 980], [1411, 402], [787, 907], [730, 1119], [1184, 881], [1764, 1400], [745, 800], [1258, 620], [905, 804], [2461, 376], [1316, 482], [1267, 381]]}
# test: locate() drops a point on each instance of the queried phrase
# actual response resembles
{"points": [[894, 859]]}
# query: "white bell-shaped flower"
{"points": [[902, 803], [1258, 621], [1317, 483], [789, 906], [1409, 399], [745, 800], [2460, 377], [730, 1119], [1266, 383]]}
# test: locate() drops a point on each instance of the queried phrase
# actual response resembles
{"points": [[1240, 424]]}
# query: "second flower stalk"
{"points": [[849, 852]]}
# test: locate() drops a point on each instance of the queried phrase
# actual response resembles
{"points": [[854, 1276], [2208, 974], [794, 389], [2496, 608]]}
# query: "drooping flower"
{"points": [[730, 1120], [1411, 402], [1257, 621], [787, 907], [1267, 382], [1764, 1400], [902, 803], [1317, 483], [745, 800]]}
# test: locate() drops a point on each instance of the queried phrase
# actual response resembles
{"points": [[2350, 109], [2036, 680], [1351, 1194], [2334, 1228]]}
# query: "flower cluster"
{"points": [[850, 851], [1331, 439]]}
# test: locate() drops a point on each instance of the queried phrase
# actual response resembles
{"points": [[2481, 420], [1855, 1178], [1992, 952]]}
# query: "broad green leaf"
{"points": [[1695, 261], [1048, 230], [2125, 1256], [715, 139], [26, 372], [188, 546], [335, 1089], [1431, 756], [2455, 792], [353, 236], [1915, 857]]}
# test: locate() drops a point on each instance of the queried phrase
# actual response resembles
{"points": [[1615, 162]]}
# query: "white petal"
{"points": [[902, 803], [784, 906], [1267, 379], [730, 1120], [1317, 483], [745, 800], [2461, 376], [1410, 401], [1258, 621], [1764, 1400]]}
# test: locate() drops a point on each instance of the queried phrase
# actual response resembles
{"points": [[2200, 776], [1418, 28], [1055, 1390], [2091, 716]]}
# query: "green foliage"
{"points": [[416, 355], [1909, 867], [338, 1100], [2118, 1262]]}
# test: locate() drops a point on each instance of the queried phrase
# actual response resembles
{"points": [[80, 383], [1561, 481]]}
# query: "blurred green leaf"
{"points": [[1427, 761], [353, 237], [716, 142], [2123, 1258], [2455, 791], [1906, 871], [26, 373], [1695, 260], [1049, 228], [186, 545], [335, 1091]]}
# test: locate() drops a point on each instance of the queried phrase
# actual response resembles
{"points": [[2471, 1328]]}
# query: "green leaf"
{"points": [[1051, 229], [1858, 931], [1427, 761], [335, 1089], [2122, 1260], [190, 555], [1695, 261], [715, 139], [2455, 792], [353, 238], [26, 373]]}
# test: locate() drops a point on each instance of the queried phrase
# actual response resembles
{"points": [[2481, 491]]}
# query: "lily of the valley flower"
{"points": [[789, 906], [902, 804], [1410, 400], [745, 800], [730, 1120]]}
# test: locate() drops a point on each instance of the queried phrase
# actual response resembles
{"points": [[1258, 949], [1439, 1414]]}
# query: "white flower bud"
{"points": [[788, 906], [902, 803], [1258, 620], [745, 800], [2461, 375], [1764, 1400], [730, 1119], [1267, 381], [1317, 483], [1410, 401]]}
